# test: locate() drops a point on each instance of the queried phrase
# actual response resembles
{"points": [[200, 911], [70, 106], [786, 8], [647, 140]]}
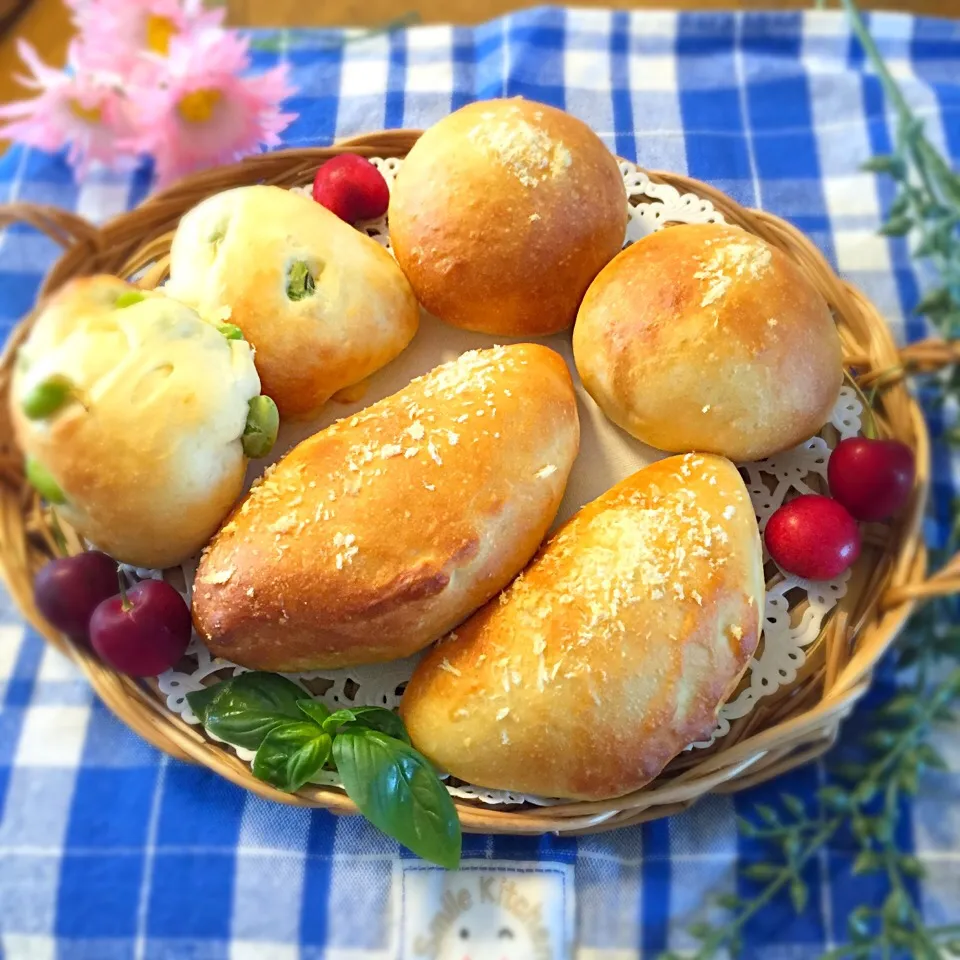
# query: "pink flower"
{"points": [[119, 35], [203, 113], [82, 111]]}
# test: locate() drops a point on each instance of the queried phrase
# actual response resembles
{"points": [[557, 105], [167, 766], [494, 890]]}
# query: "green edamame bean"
{"points": [[128, 298], [39, 477], [260, 433], [47, 397], [231, 331], [300, 282]]}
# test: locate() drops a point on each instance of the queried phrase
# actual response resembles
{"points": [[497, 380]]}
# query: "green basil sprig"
{"points": [[295, 737]]}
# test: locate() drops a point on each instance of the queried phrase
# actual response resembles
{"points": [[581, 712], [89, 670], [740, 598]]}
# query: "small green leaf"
{"points": [[761, 871], [250, 706], [315, 710], [936, 299], [291, 754], [900, 205], [375, 718], [747, 828], [911, 865], [767, 814], [896, 907], [700, 930], [729, 901], [791, 847], [896, 226], [881, 739], [909, 780], [930, 758], [865, 792], [231, 331], [867, 862], [799, 894], [300, 282], [42, 481], [834, 799], [794, 805], [128, 298], [399, 792], [884, 164], [858, 923], [199, 700], [902, 705], [929, 244], [848, 771], [883, 829]]}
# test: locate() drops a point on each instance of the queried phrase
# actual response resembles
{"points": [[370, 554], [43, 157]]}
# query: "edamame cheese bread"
{"points": [[132, 413], [323, 305]]}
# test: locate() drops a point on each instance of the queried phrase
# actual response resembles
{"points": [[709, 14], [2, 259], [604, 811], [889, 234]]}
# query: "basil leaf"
{"points": [[250, 706], [376, 718], [399, 792], [314, 709], [200, 700], [291, 754]]}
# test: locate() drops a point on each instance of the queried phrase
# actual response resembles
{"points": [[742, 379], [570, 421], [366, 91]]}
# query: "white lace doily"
{"points": [[795, 608]]}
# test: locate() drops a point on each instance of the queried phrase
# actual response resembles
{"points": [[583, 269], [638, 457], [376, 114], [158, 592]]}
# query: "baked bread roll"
{"points": [[377, 535], [323, 305], [144, 439], [502, 214], [705, 337], [612, 651]]}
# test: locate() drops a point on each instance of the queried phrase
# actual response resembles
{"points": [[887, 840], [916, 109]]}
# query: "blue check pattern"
{"points": [[110, 851]]}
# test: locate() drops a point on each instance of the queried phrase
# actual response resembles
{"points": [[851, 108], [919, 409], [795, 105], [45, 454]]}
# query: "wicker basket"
{"points": [[784, 730]]}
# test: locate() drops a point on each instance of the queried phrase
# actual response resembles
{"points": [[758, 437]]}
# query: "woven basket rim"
{"points": [[853, 643]]}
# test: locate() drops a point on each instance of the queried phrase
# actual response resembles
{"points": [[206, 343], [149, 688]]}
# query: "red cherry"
{"points": [[351, 187], [814, 537], [145, 632], [871, 478], [68, 589]]}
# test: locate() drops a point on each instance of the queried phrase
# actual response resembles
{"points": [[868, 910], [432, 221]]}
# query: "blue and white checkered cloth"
{"points": [[109, 850]]}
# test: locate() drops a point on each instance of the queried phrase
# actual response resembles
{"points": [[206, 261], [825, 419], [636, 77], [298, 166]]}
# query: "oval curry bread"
{"points": [[376, 536], [612, 651]]}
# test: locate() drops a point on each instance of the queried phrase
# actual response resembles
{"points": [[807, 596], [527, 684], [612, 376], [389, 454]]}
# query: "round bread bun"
{"points": [[234, 259], [502, 214], [146, 449], [706, 338]]}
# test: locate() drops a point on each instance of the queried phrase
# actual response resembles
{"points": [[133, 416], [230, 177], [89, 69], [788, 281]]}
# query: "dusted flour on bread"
{"points": [[503, 212], [375, 536], [612, 651], [705, 337]]}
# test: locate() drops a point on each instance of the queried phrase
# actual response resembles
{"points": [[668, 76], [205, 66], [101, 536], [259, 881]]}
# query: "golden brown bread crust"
{"points": [[502, 214], [612, 651], [230, 259], [377, 535], [704, 337]]}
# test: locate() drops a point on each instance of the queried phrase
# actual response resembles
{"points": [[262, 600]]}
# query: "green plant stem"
{"points": [[724, 935], [890, 87], [825, 826], [895, 878]]}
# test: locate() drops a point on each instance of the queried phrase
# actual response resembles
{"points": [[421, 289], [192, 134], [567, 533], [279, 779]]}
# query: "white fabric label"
{"points": [[486, 910]]}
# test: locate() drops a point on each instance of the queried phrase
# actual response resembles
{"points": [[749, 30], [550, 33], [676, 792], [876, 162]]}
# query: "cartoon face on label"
{"points": [[486, 935], [488, 911]]}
